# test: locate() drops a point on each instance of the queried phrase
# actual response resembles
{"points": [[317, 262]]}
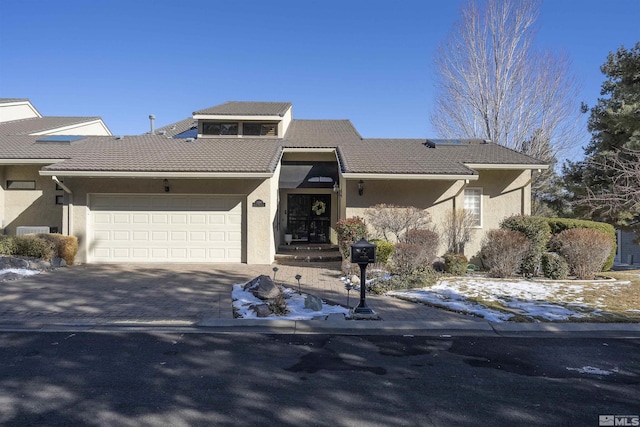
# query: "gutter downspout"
{"points": [[69, 222]]}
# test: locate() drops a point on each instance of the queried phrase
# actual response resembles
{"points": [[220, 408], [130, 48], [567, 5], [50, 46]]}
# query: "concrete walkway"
{"points": [[199, 296]]}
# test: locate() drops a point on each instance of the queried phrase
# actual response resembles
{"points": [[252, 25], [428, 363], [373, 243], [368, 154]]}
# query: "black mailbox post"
{"points": [[363, 253]]}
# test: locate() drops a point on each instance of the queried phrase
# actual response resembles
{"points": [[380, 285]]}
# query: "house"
{"points": [[628, 251], [224, 184]]}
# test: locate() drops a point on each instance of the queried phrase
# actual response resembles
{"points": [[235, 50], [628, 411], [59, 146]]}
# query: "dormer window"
{"points": [[259, 129], [213, 128]]}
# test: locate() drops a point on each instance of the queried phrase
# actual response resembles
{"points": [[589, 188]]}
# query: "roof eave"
{"points": [[506, 166], [156, 174], [409, 176]]}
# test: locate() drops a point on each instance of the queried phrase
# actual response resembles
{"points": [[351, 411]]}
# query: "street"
{"points": [[173, 379]]}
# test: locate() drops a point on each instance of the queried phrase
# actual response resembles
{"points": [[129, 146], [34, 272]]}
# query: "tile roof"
{"points": [[178, 127], [40, 124], [158, 153], [236, 108]]}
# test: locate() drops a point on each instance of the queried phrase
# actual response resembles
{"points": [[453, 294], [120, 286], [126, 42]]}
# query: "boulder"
{"points": [[355, 280], [262, 287], [313, 302], [58, 262], [261, 310], [12, 262]]}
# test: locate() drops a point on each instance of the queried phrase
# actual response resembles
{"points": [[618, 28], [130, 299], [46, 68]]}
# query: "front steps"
{"points": [[308, 252]]}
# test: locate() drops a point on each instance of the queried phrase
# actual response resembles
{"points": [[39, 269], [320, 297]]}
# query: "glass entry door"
{"points": [[309, 217]]}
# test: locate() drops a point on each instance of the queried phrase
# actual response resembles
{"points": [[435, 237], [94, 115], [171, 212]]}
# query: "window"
{"points": [[473, 204], [21, 185], [260, 129], [209, 128], [60, 199]]}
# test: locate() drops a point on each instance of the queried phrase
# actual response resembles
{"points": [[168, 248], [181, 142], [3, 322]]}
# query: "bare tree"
{"points": [[392, 221], [621, 200], [493, 84], [456, 226]]}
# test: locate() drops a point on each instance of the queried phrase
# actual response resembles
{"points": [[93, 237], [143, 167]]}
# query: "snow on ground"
{"points": [[242, 300], [592, 370], [18, 271], [523, 297]]}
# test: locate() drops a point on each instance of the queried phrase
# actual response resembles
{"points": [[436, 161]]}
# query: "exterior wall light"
{"points": [[360, 187], [166, 186]]}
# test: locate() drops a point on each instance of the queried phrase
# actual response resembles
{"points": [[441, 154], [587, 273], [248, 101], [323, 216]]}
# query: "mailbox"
{"points": [[363, 252]]}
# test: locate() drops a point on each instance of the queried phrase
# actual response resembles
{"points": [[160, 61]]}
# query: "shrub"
{"points": [[558, 225], [455, 264], [32, 246], [427, 239], [407, 258], [384, 250], [420, 278], [66, 247], [349, 231], [457, 226], [538, 231], [391, 221], [554, 266], [7, 245], [503, 251], [585, 250]]}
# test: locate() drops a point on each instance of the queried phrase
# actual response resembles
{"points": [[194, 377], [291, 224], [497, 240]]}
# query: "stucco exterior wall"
{"points": [[93, 128], [504, 193], [17, 111], [258, 244], [28, 207], [629, 251]]}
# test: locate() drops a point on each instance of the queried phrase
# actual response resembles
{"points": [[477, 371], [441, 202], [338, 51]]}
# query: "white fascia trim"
{"points": [[429, 177], [73, 126], [120, 174], [238, 118], [504, 166], [30, 161]]}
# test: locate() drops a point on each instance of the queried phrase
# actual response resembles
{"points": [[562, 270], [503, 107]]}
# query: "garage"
{"points": [[164, 228]]}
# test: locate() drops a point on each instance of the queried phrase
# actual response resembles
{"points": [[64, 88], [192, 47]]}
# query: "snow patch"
{"points": [[592, 371]]}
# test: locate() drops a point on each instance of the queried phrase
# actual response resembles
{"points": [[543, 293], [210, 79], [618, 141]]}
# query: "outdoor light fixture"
{"points": [[360, 187], [166, 185], [336, 188]]}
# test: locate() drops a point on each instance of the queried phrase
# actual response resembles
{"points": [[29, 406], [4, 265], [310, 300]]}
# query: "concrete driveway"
{"points": [[175, 292]]}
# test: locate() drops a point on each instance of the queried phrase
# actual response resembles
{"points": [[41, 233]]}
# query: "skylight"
{"points": [[59, 139]]}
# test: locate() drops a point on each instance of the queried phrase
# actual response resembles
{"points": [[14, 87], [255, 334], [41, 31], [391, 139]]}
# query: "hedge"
{"points": [[43, 246], [558, 225]]}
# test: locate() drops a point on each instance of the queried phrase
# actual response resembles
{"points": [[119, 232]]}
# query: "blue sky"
{"points": [[369, 61]]}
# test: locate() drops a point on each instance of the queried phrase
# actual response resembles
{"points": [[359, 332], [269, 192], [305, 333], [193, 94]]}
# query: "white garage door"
{"points": [[165, 228]]}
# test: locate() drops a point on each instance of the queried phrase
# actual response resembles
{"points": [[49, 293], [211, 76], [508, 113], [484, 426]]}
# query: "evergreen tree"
{"points": [[604, 186]]}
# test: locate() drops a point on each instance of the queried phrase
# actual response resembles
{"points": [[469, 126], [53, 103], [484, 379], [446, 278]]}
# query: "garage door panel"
{"points": [[165, 228]]}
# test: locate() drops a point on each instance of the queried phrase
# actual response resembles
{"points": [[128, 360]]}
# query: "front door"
{"points": [[309, 217]]}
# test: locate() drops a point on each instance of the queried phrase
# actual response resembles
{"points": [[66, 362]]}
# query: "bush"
{"points": [[538, 231], [455, 264], [428, 240], [558, 225], [585, 250], [420, 278], [349, 231], [66, 247], [32, 246], [554, 266], [504, 251], [407, 258], [384, 250], [392, 221], [7, 245]]}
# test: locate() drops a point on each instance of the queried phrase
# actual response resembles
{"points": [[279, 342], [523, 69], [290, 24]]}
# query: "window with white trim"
{"points": [[473, 204]]}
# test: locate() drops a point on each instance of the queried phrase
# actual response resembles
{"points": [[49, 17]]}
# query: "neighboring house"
{"points": [[225, 184], [628, 250], [26, 197]]}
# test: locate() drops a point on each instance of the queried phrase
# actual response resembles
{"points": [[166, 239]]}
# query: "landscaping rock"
{"points": [[313, 302], [12, 262], [262, 287], [58, 262], [261, 310], [355, 280]]}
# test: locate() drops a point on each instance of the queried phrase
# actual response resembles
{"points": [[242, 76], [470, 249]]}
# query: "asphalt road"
{"points": [[172, 379]]}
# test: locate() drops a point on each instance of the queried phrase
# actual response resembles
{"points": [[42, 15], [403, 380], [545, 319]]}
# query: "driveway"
{"points": [[176, 292]]}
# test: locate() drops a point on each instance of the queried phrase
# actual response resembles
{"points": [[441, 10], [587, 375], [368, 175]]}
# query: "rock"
{"points": [[38, 264], [262, 287], [58, 262], [312, 302], [355, 280], [12, 262], [261, 310], [9, 276]]}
